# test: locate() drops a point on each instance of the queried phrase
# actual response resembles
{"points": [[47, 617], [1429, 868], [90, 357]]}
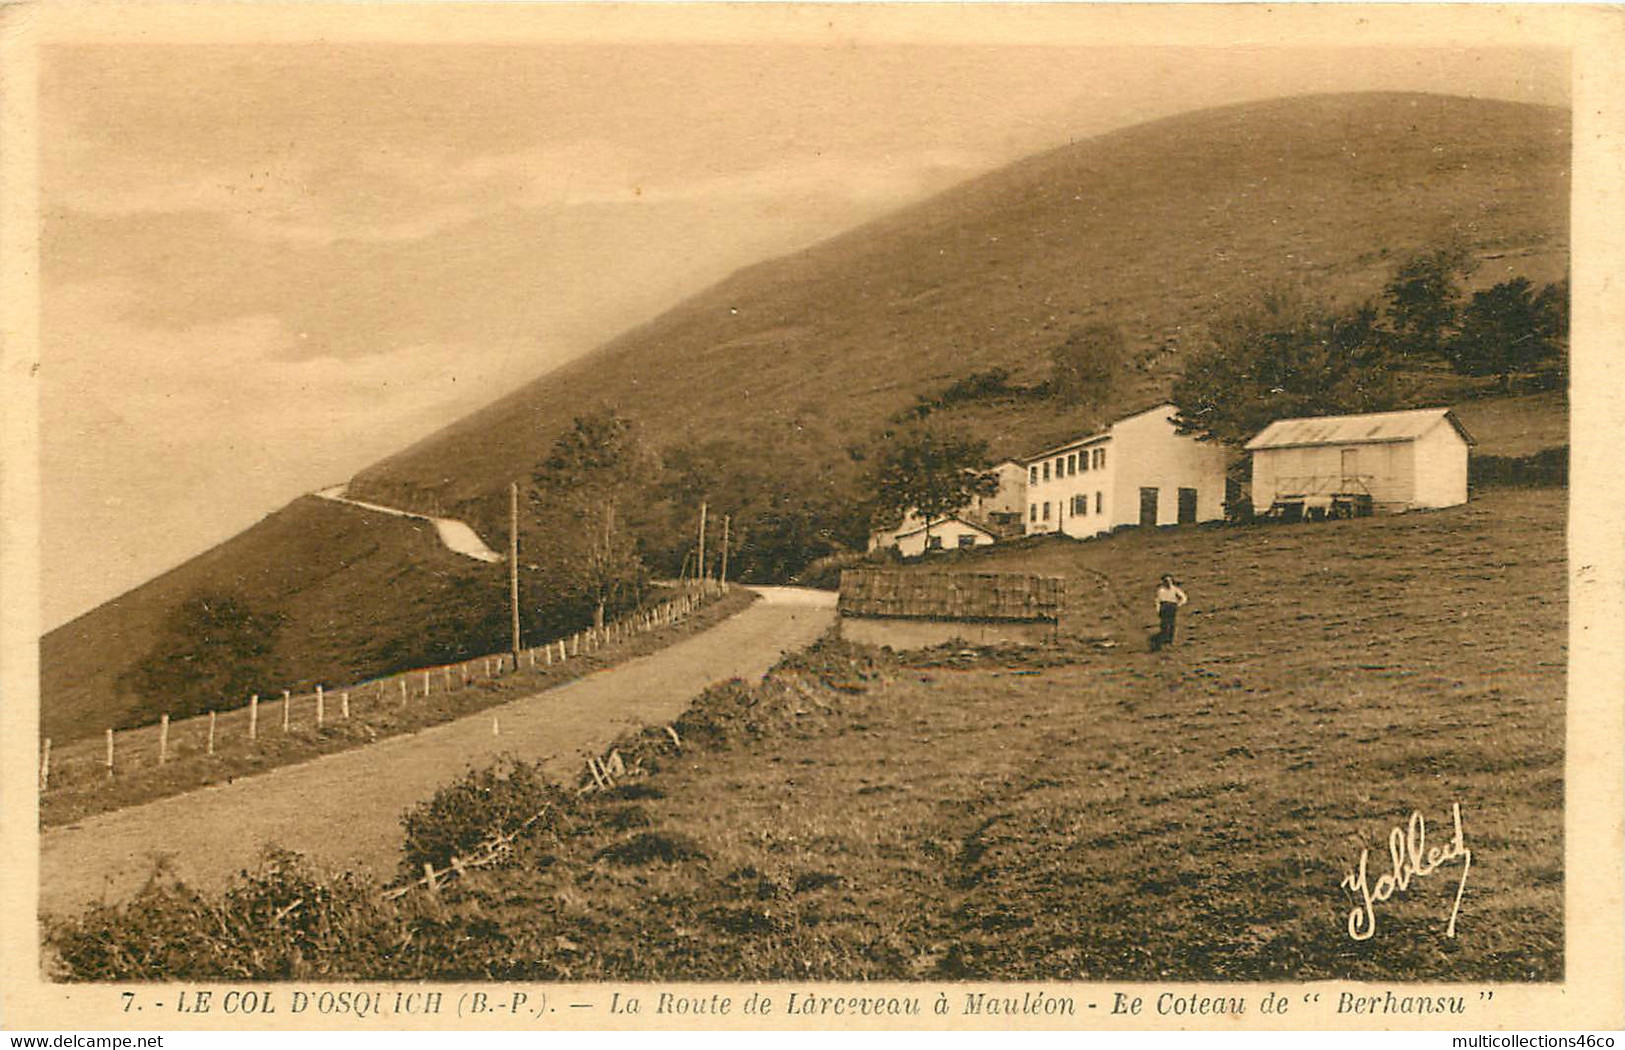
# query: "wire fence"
{"points": [[268, 724]]}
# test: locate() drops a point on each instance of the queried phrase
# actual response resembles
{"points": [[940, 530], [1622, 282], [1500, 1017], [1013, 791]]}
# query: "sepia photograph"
{"points": [[851, 501]]}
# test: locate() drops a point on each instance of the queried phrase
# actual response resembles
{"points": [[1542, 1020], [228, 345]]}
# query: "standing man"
{"points": [[1169, 598]]}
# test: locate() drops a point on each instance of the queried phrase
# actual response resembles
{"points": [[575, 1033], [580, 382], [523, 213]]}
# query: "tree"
{"points": [[589, 475], [1511, 328], [1084, 368], [212, 651], [1423, 299], [932, 475], [1283, 357]]}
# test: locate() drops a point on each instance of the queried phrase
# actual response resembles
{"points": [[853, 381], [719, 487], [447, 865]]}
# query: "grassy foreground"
{"points": [[1078, 813]]}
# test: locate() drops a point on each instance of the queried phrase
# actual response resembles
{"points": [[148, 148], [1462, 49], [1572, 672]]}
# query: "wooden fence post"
{"points": [[287, 709], [447, 670], [548, 652], [109, 751], [210, 749], [254, 717], [321, 706], [403, 690], [344, 706], [561, 650], [45, 765], [428, 877], [163, 739]]}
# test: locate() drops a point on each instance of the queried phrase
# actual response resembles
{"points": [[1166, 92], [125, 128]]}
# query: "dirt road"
{"points": [[345, 809]]}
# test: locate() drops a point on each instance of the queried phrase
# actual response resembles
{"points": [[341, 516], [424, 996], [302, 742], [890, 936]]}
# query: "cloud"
{"points": [[156, 443]]}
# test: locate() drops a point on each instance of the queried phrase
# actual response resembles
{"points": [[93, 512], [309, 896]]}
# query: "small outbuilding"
{"points": [[1382, 461], [950, 532]]}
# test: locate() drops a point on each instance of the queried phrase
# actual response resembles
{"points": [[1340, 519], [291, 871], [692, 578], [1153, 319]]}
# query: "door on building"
{"points": [[1351, 468], [1187, 506], [1148, 506]]}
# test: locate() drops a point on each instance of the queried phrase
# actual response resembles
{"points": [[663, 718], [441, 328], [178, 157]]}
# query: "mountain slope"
{"points": [[789, 368], [360, 593], [1154, 228]]}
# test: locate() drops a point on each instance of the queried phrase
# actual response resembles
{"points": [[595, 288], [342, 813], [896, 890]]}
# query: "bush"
{"points": [[825, 573], [1549, 467], [480, 806], [285, 919]]}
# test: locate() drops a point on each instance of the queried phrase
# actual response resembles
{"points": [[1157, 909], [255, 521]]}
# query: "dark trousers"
{"points": [[1167, 613]]}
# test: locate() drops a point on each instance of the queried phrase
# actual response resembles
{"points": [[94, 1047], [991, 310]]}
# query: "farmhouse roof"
{"points": [[945, 519], [1100, 436], [1372, 428]]}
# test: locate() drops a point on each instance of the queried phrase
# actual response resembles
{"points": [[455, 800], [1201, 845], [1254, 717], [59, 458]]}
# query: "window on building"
{"points": [[1071, 464], [1083, 460], [1060, 467], [1102, 462], [1046, 470], [1098, 503], [1032, 475], [967, 539], [934, 543], [1080, 505], [1032, 509], [1046, 510]]}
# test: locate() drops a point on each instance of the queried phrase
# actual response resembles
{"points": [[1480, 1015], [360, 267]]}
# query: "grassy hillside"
{"points": [[796, 362], [1072, 813], [785, 372], [362, 593]]}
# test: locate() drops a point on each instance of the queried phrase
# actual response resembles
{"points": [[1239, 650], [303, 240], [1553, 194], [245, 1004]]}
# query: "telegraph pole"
{"points": [[513, 565], [700, 573], [722, 577]]}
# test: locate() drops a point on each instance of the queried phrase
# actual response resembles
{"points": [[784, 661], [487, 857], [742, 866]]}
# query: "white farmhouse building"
{"points": [[946, 533], [1388, 461], [1138, 471], [1009, 504], [980, 522]]}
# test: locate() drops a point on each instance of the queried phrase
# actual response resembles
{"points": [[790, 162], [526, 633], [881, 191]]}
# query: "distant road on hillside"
{"points": [[456, 535], [345, 809]]}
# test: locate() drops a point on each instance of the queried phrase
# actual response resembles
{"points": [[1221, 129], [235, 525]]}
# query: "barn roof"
{"points": [[1355, 430]]}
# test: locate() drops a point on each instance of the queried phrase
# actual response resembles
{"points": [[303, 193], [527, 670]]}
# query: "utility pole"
{"points": [[722, 577], [513, 565], [700, 571]]}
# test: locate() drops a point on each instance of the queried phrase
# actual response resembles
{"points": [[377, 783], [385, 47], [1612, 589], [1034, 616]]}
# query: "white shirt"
{"points": [[1170, 593]]}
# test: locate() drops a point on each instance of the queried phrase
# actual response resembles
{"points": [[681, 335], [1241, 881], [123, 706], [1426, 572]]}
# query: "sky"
{"points": [[264, 267]]}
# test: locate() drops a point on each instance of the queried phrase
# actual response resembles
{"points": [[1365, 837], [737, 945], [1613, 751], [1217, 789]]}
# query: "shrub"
{"points": [[480, 806], [1549, 467], [285, 919]]}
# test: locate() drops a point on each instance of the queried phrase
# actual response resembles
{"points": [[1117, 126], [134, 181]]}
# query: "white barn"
{"points": [[1138, 471], [1394, 460]]}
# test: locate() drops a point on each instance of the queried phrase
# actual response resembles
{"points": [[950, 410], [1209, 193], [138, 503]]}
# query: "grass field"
{"points": [[1187, 815], [1087, 812]]}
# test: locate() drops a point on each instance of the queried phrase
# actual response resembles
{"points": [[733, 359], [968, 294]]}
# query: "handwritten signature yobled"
{"points": [[1412, 857]]}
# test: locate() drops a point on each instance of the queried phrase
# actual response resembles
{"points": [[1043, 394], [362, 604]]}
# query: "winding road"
{"points": [[344, 809], [457, 536]]}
